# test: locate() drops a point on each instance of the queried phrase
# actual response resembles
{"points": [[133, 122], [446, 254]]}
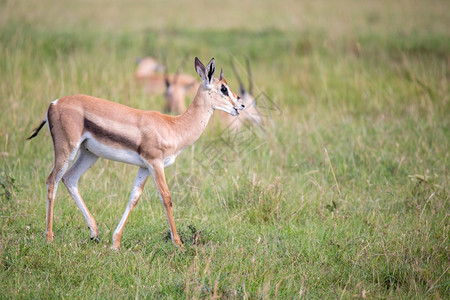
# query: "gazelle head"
{"points": [[251, 112], [147, 66], [220, 96], [175, 96], [176, 90]]}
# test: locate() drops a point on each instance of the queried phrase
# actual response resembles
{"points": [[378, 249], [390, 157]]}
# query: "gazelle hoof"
{"points": [[49, 237], [179, 244], [95, 239]]}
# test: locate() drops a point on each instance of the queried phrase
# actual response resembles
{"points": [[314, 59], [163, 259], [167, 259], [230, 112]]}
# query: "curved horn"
{"points": [[166, 70], [250, 78], [241, 85]]}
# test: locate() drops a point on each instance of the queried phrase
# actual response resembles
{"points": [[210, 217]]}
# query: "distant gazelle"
{"points": [[175, 94], [152, 76], [94, 128], [251, 114], [146, 67]]}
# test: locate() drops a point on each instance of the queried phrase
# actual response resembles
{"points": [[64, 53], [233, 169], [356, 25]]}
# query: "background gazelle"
{"points": [[175, 97], [251, 113], [152, 75], [94, 128], [176, 92]]}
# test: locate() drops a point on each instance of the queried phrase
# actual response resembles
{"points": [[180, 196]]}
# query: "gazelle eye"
{"points": [[224, 90]]}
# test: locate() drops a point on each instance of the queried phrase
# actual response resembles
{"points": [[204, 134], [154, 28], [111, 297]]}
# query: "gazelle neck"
{"points": [[194, 120]]}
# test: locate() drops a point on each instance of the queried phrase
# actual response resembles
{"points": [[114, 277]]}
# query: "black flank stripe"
{"points": [[101, 133]]}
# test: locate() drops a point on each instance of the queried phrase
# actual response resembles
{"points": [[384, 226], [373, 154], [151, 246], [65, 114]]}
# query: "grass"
{"points": [[343, 193]]}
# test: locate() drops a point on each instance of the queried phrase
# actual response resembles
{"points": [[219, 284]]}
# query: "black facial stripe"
{"points": [[224, 90]]}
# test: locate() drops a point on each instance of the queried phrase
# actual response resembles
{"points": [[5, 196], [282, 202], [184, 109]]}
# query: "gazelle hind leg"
{"points": [[136, 193], [61, 164], [83, 162]]}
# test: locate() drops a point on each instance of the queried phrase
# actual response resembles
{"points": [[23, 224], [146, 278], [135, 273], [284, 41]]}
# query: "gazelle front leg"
{"points": [[136, 193], [166, 199]]}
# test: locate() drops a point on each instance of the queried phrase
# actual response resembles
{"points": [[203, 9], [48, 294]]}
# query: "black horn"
{"points": [[250, 78], [241, 85]]}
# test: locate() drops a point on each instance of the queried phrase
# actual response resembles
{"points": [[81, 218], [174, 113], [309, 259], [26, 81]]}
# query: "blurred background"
{"points": [[341, 191]]}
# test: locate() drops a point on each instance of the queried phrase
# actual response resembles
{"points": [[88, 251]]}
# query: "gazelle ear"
{"points": [[210, 69], [200, 68]]}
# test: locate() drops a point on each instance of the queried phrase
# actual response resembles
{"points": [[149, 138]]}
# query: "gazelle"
{"points": [[147, 66], [175, 95], [175, 98], [94, 128], [251, 113], [149, 74]]}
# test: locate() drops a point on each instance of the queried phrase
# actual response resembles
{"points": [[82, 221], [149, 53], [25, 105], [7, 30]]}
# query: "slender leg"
{"points": [[136, 193], [166, 199], [82, 163], [62, 161]]}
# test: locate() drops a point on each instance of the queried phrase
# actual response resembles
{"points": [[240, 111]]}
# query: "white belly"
{"points": [[112, 153]]}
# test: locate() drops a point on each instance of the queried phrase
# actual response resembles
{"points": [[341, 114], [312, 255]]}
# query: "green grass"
{"points": [[343, 193]]}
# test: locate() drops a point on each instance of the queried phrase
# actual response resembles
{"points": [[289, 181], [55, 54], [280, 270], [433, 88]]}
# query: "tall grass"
{"points": [[342, 193]]}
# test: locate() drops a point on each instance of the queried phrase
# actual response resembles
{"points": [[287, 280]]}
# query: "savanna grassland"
{"points": [[343, 192]]}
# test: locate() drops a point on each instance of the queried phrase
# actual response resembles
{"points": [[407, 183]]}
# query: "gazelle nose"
{"points": [[240, 106], [239, 103]]}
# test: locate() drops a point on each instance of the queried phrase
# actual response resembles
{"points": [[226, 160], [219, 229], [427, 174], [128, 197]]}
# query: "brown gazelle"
{"points": [[149, 74], [175, 94], [175, 98], [94, 128], [251, 113], [146, 67]]}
